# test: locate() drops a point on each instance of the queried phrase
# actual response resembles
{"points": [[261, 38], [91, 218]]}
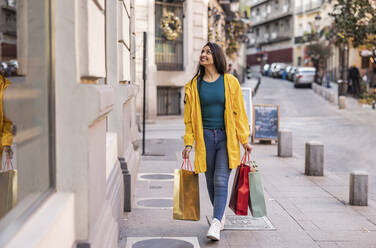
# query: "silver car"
{"points": [[304, 76]]}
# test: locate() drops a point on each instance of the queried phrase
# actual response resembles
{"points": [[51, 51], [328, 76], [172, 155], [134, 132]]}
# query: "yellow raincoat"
{"points": [[5, 124], [236, 122]]}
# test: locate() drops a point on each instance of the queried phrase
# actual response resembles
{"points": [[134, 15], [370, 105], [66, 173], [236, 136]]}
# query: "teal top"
{"points": [[212, 100]]}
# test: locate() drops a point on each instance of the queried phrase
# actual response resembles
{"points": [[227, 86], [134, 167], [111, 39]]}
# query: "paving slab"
{"points": [[306, 211]]}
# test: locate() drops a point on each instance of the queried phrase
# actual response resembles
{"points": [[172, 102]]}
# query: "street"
{"points": [[305, 211], [349, 136]]}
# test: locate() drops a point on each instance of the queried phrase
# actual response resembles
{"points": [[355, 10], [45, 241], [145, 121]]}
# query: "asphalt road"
{"points": [[349, 135]]}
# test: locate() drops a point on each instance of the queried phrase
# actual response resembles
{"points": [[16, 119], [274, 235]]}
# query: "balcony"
{"points": [[283, 11], [254, 3], [313, 5]]}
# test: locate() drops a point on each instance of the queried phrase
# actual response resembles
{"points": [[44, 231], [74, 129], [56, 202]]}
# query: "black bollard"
{"points": [[127, 185]]}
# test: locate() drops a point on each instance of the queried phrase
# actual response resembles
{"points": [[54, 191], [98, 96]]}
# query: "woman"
{"points": [[216, 121]]}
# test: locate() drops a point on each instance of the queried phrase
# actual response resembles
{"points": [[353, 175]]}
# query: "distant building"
{"points": [[271, 37], [8, 30]]}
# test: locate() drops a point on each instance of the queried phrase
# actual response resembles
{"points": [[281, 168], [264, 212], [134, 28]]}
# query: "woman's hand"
{"points": [[8, 152], [186, 152], [247, 149]]}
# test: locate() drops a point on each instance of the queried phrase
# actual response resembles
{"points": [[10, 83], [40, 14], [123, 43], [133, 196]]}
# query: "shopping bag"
{"points": [[234, 195], [186, 201], [240, 190], [8, 188], [256, 193]]}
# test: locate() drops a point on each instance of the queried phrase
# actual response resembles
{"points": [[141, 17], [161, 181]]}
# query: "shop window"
{"points": [[26, 110], [169, 35]]}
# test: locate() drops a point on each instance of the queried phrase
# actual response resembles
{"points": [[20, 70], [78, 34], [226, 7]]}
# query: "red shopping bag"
{"points": [[240, 189]]}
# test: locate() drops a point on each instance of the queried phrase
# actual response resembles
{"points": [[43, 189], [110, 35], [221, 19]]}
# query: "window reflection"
{"points": [[24, 106]]}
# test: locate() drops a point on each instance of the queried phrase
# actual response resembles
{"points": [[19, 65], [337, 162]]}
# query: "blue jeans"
{"points": [[217, 169]]}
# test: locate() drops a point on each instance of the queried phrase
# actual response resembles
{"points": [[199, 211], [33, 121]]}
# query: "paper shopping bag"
{"points": [[8, 188], [256, 195], [186, 201], [240, 189]]}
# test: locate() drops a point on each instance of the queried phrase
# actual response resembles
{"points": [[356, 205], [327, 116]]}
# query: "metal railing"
{"points": [[168, 54]]}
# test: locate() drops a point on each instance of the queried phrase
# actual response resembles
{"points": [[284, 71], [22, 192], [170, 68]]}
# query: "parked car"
{"points": [[291, 72], [276, 69], [265, 69], [281, 68], [3, 68], [12, 67], [304, 76], [273, 68]]}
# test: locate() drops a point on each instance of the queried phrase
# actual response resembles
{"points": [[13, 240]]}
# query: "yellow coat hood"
{"points": [[236, 122]]}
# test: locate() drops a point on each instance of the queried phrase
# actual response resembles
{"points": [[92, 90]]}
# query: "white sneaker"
{"points": [[223, 221], [214, 230]]}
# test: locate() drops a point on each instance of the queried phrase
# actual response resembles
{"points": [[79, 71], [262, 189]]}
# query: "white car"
{"points": [[304, 76]]}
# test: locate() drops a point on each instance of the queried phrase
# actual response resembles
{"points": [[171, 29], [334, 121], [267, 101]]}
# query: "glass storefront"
{"points": [[26, 110]]}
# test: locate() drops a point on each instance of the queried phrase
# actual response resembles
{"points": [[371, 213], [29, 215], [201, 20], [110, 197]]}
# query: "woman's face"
{"points": [[206, 57]]}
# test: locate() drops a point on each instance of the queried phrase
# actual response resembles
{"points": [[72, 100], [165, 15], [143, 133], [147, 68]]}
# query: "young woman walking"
{"points": [[216, 122]]}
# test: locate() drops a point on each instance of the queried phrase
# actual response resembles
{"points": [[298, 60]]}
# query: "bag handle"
{"points": [[187, 164], [8, 165], [246, 159]]}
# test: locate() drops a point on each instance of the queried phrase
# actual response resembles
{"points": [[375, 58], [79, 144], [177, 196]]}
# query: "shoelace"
{"points": [[216, 226]]}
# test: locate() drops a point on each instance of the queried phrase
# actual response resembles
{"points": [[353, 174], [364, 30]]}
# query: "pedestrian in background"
{"points": [[215, 122], [229, 69], [354, 80]]}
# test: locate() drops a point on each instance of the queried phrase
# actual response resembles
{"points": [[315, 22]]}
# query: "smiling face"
{"points": [[206, 57]]}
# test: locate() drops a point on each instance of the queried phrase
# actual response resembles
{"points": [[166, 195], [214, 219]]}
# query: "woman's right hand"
{"points": [[186, 152]]}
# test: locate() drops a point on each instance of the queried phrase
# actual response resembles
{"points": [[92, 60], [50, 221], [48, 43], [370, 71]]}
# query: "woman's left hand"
{"points": [[247, 149]]}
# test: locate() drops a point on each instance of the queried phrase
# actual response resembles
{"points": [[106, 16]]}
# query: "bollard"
{"points": [[314, 158], [359, 188], [285, 143], [127, 185], [341, 102], [332, 97]]}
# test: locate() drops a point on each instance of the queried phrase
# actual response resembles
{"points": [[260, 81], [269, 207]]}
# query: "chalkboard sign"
{"points": [[247, 96], [265, 122]]}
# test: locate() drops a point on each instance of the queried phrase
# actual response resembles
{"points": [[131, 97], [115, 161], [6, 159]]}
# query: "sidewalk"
{"points": [[306, 211]]}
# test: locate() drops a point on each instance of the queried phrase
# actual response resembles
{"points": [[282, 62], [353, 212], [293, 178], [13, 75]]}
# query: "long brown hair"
{"points": [[219, 62]]}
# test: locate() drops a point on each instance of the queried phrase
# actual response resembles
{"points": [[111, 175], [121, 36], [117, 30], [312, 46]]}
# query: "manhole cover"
{"points": [[234, 222], [162, 243], [155, 203], [157, 176]]}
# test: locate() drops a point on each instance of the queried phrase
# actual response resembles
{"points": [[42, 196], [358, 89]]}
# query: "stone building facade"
{"points": [[172, 63], [71, 115], [271, 39]]}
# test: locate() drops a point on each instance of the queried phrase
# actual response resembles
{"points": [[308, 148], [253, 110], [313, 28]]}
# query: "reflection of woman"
{"points": [[5, 124], [216, 121]]}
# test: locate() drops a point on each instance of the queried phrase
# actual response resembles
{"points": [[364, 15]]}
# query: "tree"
{"points": [[355, 25], [318, 49]]}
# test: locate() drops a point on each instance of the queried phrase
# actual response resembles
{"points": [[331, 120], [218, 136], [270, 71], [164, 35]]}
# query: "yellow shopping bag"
{"points": [[186, 194], [8, 188]]}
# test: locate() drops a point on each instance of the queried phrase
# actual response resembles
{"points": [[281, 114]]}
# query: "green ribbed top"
{"points": [[212, 99]]}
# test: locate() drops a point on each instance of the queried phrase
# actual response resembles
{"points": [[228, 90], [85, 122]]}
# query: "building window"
{"points": [[287, 26], [257, 11], [276, 27], [257, 32], [168, 52], [168, 100], [365, 62], [26, 112], [276, 3]]}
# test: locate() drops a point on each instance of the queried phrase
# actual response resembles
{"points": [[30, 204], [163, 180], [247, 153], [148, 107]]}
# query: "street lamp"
{"points": [[317, 36]]}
